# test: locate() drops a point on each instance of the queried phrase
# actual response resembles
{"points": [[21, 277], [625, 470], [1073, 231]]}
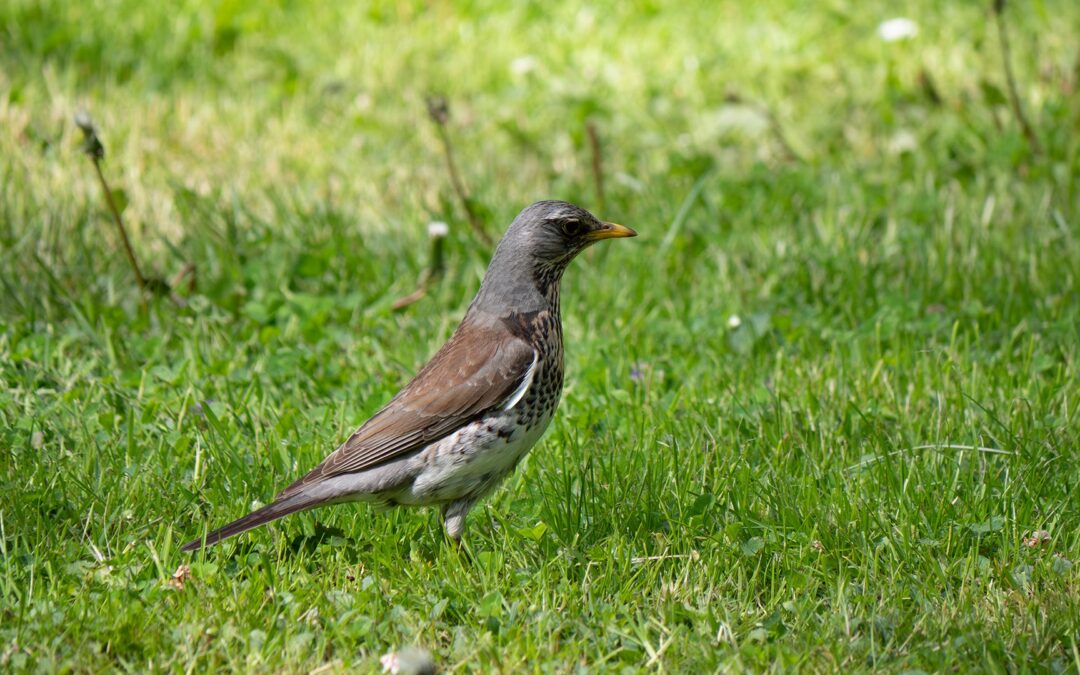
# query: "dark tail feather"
{"points": [[252, 520]]}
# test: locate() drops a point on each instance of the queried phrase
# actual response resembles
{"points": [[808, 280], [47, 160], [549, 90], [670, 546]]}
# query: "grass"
{"points": [[814, 413]]}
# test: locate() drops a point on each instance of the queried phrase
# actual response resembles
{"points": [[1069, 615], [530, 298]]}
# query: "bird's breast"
{"points": [[472, 461]]}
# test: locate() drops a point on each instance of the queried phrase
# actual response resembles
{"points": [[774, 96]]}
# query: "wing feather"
{"points": [[478, 370]]}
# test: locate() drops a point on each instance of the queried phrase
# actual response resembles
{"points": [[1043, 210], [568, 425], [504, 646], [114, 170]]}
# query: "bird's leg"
{"points": [[454, 523], [454, 519]]}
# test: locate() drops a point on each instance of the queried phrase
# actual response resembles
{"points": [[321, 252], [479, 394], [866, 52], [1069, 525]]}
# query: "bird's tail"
{"points": [[272, 511]]}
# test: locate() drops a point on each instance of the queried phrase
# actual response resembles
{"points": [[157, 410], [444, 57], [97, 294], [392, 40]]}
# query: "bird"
{"points": [[469, 416]]}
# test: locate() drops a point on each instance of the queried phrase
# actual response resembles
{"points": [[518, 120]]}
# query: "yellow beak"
{"points": [[610, 231]]}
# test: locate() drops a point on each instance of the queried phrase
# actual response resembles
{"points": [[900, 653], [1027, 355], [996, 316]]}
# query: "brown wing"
{"points": [[477, 370]]}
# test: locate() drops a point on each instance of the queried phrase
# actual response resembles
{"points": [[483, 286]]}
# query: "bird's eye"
{"points": [[571, 228]]}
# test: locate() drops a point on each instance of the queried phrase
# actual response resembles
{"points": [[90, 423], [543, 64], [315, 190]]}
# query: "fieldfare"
{"points": [[469, 416]]}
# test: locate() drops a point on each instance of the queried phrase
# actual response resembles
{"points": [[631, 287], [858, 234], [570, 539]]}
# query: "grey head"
{"points": [[529, 262]]}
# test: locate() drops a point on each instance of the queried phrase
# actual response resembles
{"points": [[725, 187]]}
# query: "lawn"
{"points": [[822, 414]]}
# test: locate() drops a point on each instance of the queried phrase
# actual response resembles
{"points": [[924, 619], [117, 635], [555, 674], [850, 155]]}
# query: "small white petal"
{"points": [[409, 661], [899, 28], [903, 141], [734, 321], [390, 663], [438, 229], [523, 65]]}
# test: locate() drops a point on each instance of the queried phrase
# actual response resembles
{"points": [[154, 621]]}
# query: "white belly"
{"points": [[472, 461]]}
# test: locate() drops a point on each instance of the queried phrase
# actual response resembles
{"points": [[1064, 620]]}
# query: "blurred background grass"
{"points": [[271, 98], [848, 251]]}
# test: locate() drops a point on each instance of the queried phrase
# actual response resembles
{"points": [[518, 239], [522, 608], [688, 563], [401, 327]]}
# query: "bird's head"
{"points": [[538, 246], [552, 232]]}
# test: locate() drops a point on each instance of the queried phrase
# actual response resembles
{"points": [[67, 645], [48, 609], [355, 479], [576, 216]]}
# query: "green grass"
{"points": [[843, 481]]}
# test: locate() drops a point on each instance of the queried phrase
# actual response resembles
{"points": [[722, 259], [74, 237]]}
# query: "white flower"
{"points": [[523, 65], [390, 663], [740, 118], [409, 661], [734, 321], [903, 141], [899, 28], [437, 229]]}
